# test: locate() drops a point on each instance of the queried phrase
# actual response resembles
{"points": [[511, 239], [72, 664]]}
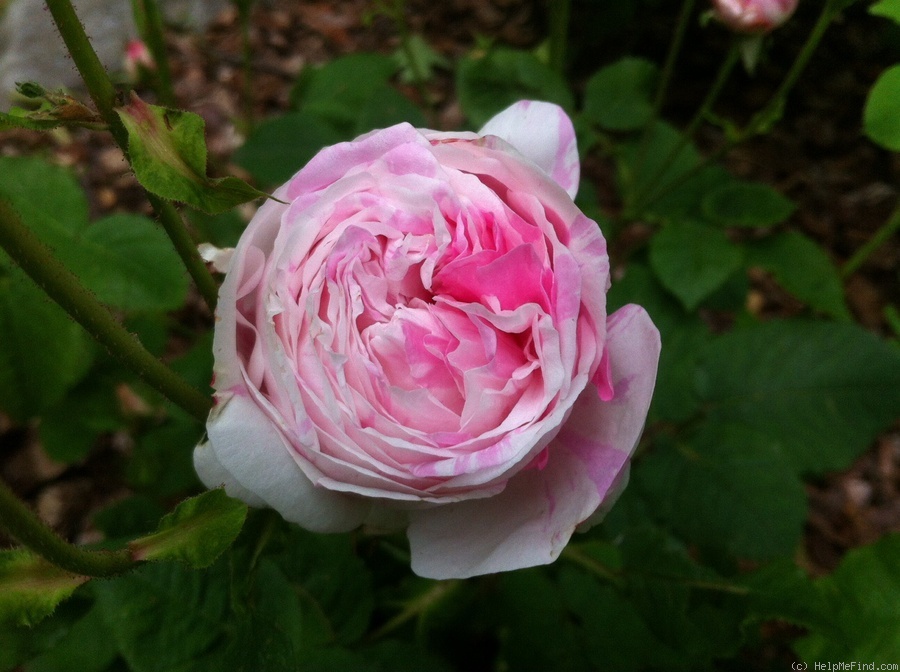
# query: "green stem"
{"points": [[63, 286], [687, 135], [21, 523], [763, 120], [103, 93], [560, 11], [665, 79], [880, 238], [181, 239], [244, 7], [151, 25]]}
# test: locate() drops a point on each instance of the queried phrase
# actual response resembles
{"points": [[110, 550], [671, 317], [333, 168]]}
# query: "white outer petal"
{"points": [[543, 133], [247, 446]]}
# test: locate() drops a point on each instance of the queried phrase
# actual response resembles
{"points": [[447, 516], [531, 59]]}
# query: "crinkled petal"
{"points": [[543, 133], [531, 521], [247, 446]]}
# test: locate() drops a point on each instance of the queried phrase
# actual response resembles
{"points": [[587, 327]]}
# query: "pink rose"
{"points": [[417, 337], [753, 16]]}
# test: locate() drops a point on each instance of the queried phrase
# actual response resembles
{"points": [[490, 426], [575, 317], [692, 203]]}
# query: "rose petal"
{"points": [[531, 521], [543, 133], [213, 475], [247, 445], [633, 354], [528, 524]]}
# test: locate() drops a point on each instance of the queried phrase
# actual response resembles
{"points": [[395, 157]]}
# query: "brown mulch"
{"points": [[845, 188]]}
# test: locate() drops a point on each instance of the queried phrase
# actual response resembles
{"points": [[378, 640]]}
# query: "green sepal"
{"points": [[196, 532], [168, 155]]}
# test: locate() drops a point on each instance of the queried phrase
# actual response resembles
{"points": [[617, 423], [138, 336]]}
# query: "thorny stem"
{"points": [[103, 93], [21, 523], [61, 285]]}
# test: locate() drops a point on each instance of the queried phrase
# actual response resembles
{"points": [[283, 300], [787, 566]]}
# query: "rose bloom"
{"points": [[416, 337], [753, 16]]}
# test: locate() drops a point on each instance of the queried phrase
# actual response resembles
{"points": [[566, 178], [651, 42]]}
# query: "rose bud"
{"points": [[137, 58], [753, 17], [415, 335]]}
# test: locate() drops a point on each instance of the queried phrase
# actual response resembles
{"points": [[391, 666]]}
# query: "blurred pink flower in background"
{"points": [[753, 16]]}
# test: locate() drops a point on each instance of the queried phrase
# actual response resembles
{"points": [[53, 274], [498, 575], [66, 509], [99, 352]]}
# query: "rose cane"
{"points": [[414, 335], [753, 17]]}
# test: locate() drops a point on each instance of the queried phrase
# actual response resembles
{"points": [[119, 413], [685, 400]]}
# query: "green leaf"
{"points": [[47, 198], [746, 204], [129, 263], [693, 260], [647, 170], [686, 202], [614, 634], [619, 97], [88, 646], [540, 637], [821, 390], [164, 616], [881, 116], [863, 607], [30, 587], [44, 352], [490, 83], [782, 591], [70, 429], [889, 9], [338, 91], [802, 268], [727, 488], [388, 107], [168, 156], [196, 532], [336, 591], [266, 631], [281, 146], [126, 260]]}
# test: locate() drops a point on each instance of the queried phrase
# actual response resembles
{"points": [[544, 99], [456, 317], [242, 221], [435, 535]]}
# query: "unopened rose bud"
{"points": [[137, 58], [753, 16]]}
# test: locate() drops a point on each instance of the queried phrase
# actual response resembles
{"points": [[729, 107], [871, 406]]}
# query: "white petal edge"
{"points": [[248, 447], [532, 520], [543, 133]]}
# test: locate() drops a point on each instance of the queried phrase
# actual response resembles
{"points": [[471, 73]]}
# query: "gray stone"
{"points": [[31, 49]]}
